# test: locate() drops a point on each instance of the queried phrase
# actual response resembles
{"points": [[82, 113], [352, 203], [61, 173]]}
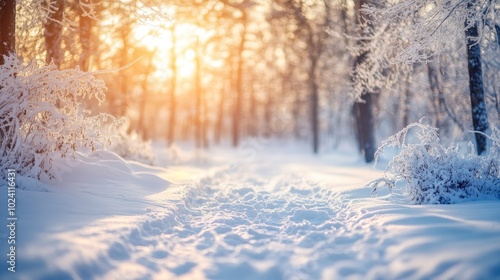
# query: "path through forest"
{"points": [[275, 216]]}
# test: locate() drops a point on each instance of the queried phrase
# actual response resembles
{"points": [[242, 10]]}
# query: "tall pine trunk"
{"points": [[476, 86]]}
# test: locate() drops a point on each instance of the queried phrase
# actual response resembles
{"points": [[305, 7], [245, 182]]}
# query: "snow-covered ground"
{"points": [[263, 213]]}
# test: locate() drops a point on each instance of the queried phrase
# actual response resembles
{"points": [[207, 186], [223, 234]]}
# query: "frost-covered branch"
{"points": [[34, 129], [411, 31]]}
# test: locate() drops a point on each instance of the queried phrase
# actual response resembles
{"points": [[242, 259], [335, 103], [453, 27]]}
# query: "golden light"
{"points": [[159, 40]]}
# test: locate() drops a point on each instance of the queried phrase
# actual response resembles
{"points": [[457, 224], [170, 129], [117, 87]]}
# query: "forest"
{"points": [[250, 139], [323, 72]]}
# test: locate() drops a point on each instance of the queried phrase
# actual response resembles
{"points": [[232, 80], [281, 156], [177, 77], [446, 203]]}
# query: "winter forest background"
{"points": [[227, 139], [325, 72]]}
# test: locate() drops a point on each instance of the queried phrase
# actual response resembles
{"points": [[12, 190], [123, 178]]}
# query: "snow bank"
{"points": [[278, 215]]}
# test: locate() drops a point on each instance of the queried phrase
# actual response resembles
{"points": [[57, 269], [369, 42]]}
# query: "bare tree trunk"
{"points": [[219, 125], [435, 85], [227, 87], [365, 126], [7, 46], [364, 110], [205, 124], [173, 83], [497, 29], [220, 117], [314, 102], [198, 94], [435, 82], [476, 86], [268, 119], [253, 120], [406, 104], [239, 84], [144, 98], [7, 28], [122, 104], [296, 115], [85, 31], [53, 32]]}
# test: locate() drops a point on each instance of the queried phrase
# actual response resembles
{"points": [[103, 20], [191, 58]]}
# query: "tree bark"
{"points": [[7, 46], [7, 28], [364, 110], [435, 85], [476, 86], [497, 29], [365, 123]]}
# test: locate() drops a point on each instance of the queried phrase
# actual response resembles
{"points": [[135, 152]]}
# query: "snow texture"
{"points": [[274, 214]]}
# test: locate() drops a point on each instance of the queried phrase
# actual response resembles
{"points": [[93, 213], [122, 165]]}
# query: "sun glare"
{"points": [[159, 40]]}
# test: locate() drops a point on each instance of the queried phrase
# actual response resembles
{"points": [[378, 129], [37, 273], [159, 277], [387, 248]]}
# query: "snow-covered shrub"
{"points": [[171, 155], [440, 175], [129, 145], [41, 117]]}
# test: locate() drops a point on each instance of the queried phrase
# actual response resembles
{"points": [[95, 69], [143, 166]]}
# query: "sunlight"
{"points": [[157, 38]]}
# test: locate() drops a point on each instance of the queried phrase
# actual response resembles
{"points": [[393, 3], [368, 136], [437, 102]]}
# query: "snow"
{"points": [[272, 213]]}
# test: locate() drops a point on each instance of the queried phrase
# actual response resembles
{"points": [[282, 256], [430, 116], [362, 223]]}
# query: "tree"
{"points": [[476, 86], [311, 21], [420, 30], [242, 8], [7, 46], [53, 31], [363, 108], [198, 134], [7, 28], [147, 70], [172, 90], [237, 115], [86, 14]]}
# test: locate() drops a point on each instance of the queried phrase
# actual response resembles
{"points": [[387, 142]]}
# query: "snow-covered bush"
{"points": [[129, 145], [41, 117], [440, 175]]}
